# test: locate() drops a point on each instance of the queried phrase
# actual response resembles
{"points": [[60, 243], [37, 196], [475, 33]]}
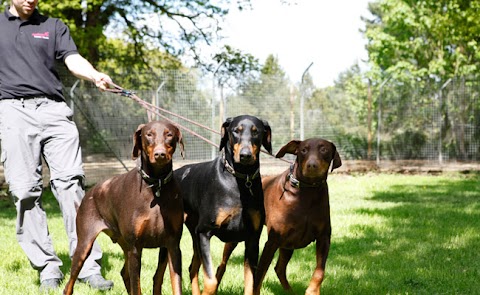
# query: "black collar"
{"points": [[155, 183], [248, 177], [301, 184]]}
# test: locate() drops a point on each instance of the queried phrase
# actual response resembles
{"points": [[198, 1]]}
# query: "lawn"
{"points": [[392, 234]]}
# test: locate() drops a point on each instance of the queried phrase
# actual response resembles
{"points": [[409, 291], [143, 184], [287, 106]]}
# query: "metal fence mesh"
{"points": [[436, 123]]}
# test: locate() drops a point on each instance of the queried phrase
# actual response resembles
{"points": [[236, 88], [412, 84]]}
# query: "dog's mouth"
{"points": [[245, 155], [249, 160], [314, 170]]}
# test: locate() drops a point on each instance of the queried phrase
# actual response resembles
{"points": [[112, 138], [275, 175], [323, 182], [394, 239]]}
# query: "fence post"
{"points": [[302, 99], [72, 94], [212, 136], [379, 119], [157, 97], [440, 105]]}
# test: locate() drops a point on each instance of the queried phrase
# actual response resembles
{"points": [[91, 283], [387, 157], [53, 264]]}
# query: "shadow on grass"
{"points": [[425, 243], [417, 239]]}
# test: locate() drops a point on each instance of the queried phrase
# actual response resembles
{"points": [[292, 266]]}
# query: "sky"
{"points": [[323, 32]]}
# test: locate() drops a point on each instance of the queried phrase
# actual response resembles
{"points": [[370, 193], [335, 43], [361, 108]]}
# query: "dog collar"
{"points": [[299, 184], [156, 183], [248, 178]]}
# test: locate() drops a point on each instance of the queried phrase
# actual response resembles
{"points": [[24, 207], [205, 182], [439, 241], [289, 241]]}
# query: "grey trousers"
{"points": [[29, 130]]}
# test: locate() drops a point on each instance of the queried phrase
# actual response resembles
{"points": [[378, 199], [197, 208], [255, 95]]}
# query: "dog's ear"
{"points": [[224, 133], [137, 142], [180, 143], [289, 148], [336, 161], [267, 137]]}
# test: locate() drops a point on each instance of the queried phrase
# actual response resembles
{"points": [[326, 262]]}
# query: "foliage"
{"points": [[234, 68], [263, 95], [424, 39], [171, 28]]}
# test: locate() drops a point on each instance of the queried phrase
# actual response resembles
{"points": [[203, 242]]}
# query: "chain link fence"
{"points": [[434, 125]]}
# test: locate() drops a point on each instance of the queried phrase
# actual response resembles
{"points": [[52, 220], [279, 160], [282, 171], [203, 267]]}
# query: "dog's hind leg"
{"points": [[281, 267], [227, 251], [195, 267], [86, 233], [267, 255], [210, 283]]}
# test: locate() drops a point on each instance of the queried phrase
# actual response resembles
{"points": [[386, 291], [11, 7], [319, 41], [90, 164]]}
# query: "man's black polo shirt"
{"points": [[28, 52]]}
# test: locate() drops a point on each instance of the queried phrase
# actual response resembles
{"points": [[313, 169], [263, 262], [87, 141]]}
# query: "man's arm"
{"points": [[83, 69]]}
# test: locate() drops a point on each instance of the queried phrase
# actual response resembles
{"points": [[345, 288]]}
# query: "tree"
{"points": [[173, 27], [424, 39]]}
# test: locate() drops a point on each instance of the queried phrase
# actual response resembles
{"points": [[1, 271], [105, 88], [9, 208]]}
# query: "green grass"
{"points": [[392, 234]]}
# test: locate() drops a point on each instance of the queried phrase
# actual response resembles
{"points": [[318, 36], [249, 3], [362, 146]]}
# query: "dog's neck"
{"points": [[297, 180], [154, 172]]}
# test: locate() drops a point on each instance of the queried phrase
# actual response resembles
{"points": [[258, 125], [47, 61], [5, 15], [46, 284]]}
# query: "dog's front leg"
{"points": [[175, 268], [250, 262], [210, 283], [159, 274], [322, 248], [134, 264]]}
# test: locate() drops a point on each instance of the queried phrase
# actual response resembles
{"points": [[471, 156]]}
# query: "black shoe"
{"points": [[49, 284], [97, 282]]}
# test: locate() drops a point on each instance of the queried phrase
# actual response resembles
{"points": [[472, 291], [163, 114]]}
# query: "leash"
{"points": [[150, 107], [155, 109]]}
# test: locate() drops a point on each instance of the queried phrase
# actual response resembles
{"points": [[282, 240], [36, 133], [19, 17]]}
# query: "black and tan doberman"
{"points": [[140, 209], [224, 198]]}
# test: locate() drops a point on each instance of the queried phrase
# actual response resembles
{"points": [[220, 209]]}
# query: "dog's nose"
{"points": [[245, 155], [312, 165], [159, 155]]}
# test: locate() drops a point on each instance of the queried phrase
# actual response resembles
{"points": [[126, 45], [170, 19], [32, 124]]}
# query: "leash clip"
{"points": [[248, 184]]}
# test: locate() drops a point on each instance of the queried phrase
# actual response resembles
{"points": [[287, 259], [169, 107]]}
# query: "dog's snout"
{"points": [[312, 165], [245, 155], [159, 154]]}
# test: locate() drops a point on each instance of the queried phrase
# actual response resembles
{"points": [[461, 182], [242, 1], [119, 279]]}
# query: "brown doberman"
{"points": [[297, 209], [224, 198], [140, 209]]}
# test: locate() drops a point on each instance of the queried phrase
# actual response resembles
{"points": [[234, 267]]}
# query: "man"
{"points": [[36, 122]]}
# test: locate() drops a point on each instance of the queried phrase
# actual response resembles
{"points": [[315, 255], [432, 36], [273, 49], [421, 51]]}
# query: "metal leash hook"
{"points": [[248, 184]]}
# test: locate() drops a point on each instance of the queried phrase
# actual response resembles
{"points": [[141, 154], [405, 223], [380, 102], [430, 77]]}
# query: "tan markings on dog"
{"points": [[209, 285], [248, 275], [255, 216], [224, 215], [236, 152], [255, 151], [149, 151]]}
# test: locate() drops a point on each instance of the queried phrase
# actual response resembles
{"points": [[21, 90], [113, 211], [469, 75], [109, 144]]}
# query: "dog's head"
{"points": [[243, 136], [314, 157], [156, 142]]}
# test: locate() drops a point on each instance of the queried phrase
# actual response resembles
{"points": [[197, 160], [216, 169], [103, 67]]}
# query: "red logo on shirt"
{"points": [[41, 35]]}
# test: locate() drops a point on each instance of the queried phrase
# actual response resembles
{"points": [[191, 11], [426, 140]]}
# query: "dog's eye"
{"points": [[304, 151], [323, 150]]}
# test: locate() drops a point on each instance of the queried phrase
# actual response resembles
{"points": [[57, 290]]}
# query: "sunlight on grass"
{"points": [[392, 234]]}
